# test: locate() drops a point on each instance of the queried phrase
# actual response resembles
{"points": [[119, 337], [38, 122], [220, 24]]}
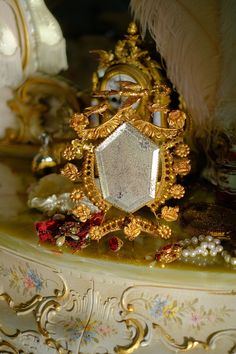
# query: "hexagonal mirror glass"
{"points": [[128, 164]]}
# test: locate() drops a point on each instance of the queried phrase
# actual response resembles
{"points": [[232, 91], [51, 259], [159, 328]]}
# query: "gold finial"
{"points": [[132, 29]]}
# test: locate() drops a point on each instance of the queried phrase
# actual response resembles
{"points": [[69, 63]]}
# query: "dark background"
{"points": [[87, 25]]}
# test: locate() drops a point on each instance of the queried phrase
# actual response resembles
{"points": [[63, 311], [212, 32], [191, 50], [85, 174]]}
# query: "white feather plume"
{"points": [[197, 39]]}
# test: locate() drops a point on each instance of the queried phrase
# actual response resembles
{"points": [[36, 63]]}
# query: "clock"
{"points": [[119, 74], [130, 72]]}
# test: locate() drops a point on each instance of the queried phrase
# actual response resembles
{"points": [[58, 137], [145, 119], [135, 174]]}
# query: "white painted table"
{"points": [[71, 303]]}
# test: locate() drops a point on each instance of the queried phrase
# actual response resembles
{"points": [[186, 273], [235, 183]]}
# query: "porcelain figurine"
{"points": [[31, 41]]}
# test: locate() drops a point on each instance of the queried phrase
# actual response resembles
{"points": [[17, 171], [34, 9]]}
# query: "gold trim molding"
{"points": [[127, 313]]}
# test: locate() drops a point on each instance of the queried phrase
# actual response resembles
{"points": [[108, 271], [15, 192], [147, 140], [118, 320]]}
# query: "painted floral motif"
{"points": [[23, 280], [169, 310], [89, 333], [156, 309], [89, 321], [32, 280]]}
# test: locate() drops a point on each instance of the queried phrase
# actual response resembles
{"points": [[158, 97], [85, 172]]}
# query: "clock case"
{"points": [[133, 64]]}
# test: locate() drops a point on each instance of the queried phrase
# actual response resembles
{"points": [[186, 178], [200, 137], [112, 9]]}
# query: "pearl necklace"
{"points": [[228, 258], [196, 247]]}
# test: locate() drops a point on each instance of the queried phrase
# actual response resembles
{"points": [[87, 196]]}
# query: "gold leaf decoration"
{"points": [[88, 147], [176, 119], [132, 230], [96, 233], [153, 131], [177, 191], [170, 213], [164, 231], [182, 150], [182, 167], [78, 122], [149, 93], [78, 147], [69, 153], [82, 212], [89, 184], [70, 171], [77, 194], [103, 130], [105, 57]]}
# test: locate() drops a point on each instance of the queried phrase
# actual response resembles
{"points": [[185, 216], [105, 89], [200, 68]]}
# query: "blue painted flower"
{"points": [[35, 279], [157, 308], [76, 330], [89, 336]]}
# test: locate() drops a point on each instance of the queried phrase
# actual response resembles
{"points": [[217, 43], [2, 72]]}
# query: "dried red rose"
{"points": [[69, 227], [46, 229]]}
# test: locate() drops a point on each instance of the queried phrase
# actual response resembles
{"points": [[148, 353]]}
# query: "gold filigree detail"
{"points": [[152, 131], [49, 305], [46, 307], [23, 307], [5, 346], [105, 129], [132, 227], [127, 51], [40, 306], [131, 59], [220, 234], [182, 166], [164, 231], [74, 150], [82, 212], [89, 185], [168, 177], [77, 194], [141, 99], [71, 171], [187, 345], [136, 341], [97, 232], [52, 343], [170, 213], [105, 58], [176, 119], [69, 153], [78, 122], [182, 150], [147, 226], [177, 191], [132, 230]]}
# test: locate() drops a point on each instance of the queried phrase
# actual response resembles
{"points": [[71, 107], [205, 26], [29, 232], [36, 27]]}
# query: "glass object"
{"points": [[128, 164]]}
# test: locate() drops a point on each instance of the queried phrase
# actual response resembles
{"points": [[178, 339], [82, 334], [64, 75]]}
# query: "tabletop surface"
{"points": [[17, 235]]}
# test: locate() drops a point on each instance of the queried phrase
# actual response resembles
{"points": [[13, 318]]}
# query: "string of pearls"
{"points": [[198, 248], [228, 258]]}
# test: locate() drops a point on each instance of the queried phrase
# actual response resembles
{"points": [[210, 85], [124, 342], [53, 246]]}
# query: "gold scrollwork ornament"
{"points": [[129, 160], [172, 161], [130, 66]]}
